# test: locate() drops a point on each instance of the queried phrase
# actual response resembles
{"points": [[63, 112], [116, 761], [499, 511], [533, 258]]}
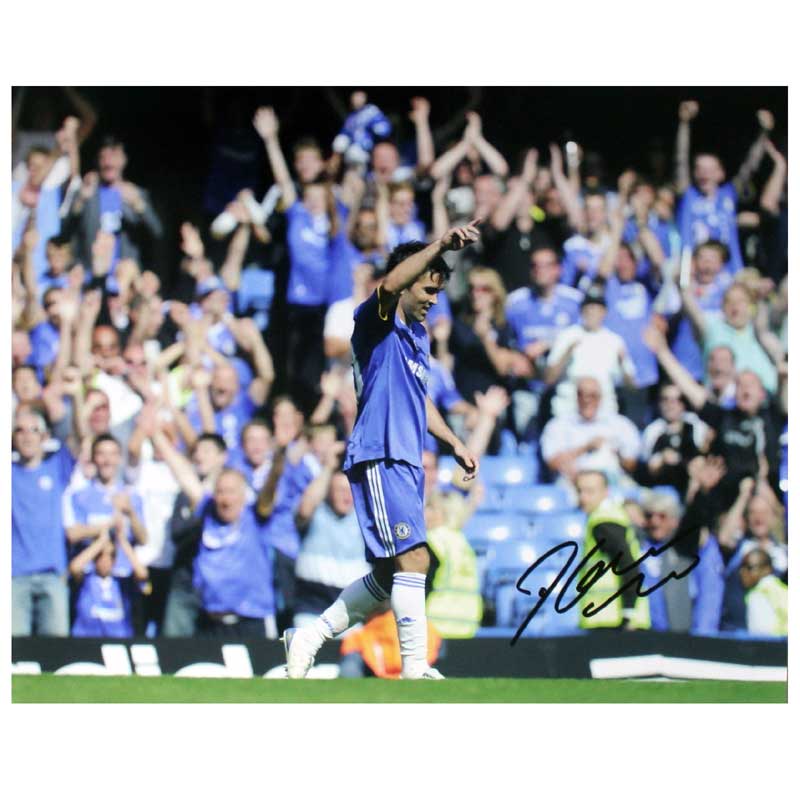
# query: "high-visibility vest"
{"points": [[603, 587], [776, 593], [454, 605]]}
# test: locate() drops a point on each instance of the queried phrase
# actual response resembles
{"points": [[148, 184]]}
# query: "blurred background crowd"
{"points": [[182, 387]]}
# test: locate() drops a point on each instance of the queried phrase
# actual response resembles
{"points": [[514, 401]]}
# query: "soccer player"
{"points": [[384, 455]]}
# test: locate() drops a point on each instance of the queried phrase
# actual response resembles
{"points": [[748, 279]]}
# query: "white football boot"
{"points": [[426, 673], [301, 646]]}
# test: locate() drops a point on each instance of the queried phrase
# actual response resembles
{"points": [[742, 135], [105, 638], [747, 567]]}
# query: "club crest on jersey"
{"points": [[402, 530], [45, 483]]}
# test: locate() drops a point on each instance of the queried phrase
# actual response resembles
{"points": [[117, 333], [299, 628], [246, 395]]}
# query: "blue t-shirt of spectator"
{"points": [[310, 256], [281, 529], [581, 258], [233, 567], [629, 312], [413, 231], [45, 343], [38, 543], [93, 505], [665, 233], [707, 587], [228, 421], [110, 200], [684, 344], [103, 608], [702, 218]]}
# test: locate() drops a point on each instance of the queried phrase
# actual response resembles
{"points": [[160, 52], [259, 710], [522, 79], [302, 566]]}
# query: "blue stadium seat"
{"points": [[559, 526], [508, 470], [505, 563], [534, 499], [486, 528]]}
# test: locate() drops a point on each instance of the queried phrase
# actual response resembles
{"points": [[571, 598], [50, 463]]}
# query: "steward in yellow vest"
{"points": [[767, 597], [609, 530]]}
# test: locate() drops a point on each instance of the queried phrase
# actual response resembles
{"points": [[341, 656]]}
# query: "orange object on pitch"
{"points": [[379, 646]]}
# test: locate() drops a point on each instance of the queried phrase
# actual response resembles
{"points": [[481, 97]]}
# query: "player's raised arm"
{"points": [[407, 272]]}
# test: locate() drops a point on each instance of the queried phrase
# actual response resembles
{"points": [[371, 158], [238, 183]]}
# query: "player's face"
{"points": [[107, 458], [422, 295], [591, 492], [341, 498], [229, 497], [256, 444]]}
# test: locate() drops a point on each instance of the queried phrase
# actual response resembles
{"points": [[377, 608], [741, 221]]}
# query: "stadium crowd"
{"points": [[176, 455]]}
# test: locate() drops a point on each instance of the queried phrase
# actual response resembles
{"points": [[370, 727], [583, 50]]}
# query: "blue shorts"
{"points": [[388, 498]]}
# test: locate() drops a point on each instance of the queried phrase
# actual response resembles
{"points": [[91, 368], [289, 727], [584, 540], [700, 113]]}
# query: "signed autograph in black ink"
{"points": [[592, 574]]}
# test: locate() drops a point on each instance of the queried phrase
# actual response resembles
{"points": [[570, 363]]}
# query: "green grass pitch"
{"points": [[168, 689]]}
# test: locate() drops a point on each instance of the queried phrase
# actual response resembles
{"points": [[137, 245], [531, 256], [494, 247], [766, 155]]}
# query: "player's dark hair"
{"points": [[403, 251], [104, 437], [214, 438]]}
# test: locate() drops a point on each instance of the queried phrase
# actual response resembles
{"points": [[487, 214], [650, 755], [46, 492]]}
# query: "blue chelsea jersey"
{"points": [[390, 367]]}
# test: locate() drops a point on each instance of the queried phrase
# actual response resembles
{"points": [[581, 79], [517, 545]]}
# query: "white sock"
{"points": [[354, 603], [408, 605]]}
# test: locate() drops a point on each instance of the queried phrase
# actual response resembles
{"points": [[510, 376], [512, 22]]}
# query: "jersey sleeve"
{"points": [[370, 321]]}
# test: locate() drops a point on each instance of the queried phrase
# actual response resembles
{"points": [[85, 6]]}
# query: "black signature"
{"points": [[593, 574]]}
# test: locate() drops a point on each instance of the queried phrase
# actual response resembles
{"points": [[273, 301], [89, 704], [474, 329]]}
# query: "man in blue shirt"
{"points": [[384, 455], [39, 597], [232, 570], [536, 314]]}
